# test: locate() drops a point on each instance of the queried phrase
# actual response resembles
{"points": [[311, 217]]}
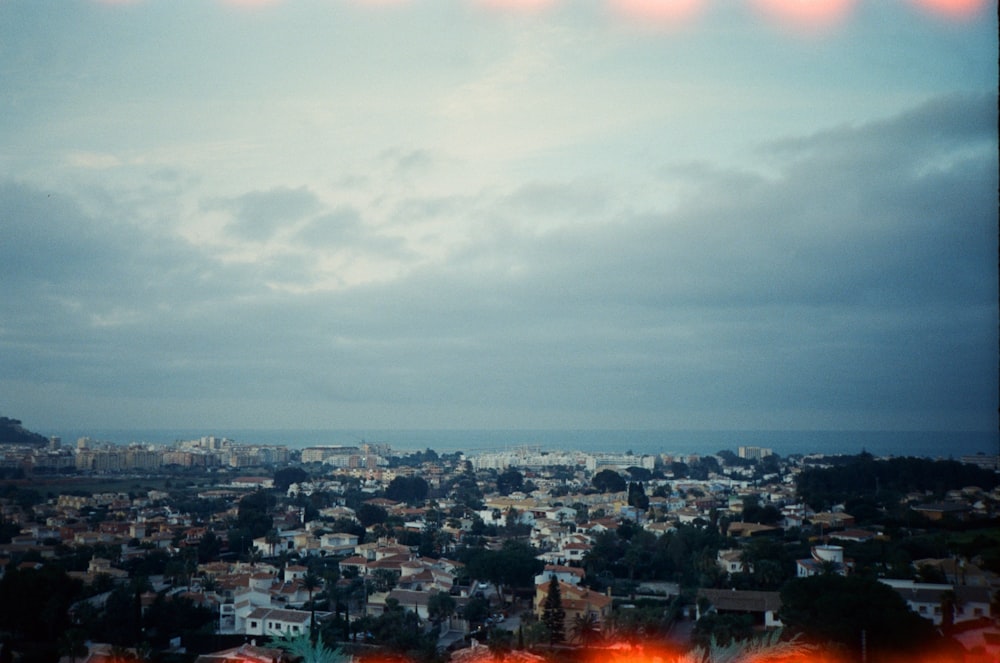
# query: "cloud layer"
{"points": [[487, 232]]}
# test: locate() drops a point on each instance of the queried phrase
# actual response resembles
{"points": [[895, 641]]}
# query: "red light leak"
{"points": [[955, 9], [631, 652]]}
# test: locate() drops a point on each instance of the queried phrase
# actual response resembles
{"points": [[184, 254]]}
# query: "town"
{"points": [[211, 551]]}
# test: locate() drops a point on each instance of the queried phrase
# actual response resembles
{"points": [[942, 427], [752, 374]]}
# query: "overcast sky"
{"points": [[678, 214]]}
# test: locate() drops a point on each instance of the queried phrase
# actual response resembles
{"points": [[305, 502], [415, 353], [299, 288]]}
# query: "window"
{"points": [[253, 624], [923, 610]]}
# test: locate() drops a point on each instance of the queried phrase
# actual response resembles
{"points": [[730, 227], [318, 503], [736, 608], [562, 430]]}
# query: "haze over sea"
{"points": [[945, 444]]}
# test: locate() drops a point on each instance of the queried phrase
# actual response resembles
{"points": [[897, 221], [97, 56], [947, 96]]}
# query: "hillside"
{"points": [[11, 432]]}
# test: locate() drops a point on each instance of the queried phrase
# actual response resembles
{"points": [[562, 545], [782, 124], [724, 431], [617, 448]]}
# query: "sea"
{"points": [[926, 444]]}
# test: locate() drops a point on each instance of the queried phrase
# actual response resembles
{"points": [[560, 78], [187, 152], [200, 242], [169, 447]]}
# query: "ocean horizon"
{"points": [[927, 444]]}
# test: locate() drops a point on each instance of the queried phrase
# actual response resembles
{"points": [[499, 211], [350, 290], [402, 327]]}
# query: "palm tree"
{"points": [[586, 629], [272, 538], [949, 602], [72, 644], [311, 582], [305, 650], [766, 648]]}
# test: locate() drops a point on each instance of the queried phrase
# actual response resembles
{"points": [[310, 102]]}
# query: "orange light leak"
{"points": [[641, 653], [806, 15], [796, 15], [954, 9]]}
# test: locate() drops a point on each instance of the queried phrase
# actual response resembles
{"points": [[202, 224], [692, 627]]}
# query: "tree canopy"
{"points": [[286, 476], [407, 489], [608, 481], [864, 476], [830, 608], [553, 614]]}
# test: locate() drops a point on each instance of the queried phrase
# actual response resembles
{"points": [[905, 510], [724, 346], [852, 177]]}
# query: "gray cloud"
{"points": [[857, 279], [259, 214]]}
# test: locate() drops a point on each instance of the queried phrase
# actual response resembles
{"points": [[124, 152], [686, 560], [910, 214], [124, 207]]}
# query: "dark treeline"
{"points": [[11, 432], [886, 480]]}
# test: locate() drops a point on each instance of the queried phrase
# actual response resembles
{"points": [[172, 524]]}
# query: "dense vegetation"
{"points": [[885, 481], [12, 432]]}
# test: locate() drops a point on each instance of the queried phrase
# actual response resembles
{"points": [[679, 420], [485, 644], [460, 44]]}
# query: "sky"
{"points": [[508, 214]]}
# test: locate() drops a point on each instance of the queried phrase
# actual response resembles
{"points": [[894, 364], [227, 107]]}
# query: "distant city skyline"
{"points": [[499, 214]]}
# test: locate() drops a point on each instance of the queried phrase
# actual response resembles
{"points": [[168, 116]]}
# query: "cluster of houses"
{"points": [[257, 599]]}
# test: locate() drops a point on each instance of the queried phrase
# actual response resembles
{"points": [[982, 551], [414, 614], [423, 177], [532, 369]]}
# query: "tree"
{"points": [[407, 489], [209, 547], [310, 650], [608, 481], [440, 606], [586, 630], [272, 538], [73, 645], [722, 629], [509, 481], [254, 513], [553, 615], [371, 514], [639, 473], [637, 496], [286, 476], [836, 609], [311, 582]]}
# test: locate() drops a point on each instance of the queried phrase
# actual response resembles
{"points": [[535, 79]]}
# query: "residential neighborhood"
{"points": [[425, 555]]}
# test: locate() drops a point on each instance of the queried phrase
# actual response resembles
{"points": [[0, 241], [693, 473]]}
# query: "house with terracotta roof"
{"points": [[245, 653], [576, 601]]}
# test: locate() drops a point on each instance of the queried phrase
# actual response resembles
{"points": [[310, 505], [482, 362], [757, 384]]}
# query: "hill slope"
{"points": [[11, 432]]}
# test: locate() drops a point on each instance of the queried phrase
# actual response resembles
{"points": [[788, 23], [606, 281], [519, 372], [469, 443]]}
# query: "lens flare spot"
{"points": [[806, 15], [957, 9]]}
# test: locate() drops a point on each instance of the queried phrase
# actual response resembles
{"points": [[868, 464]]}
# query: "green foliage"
{"points": [[302, 648], [286, 476], [585, 630], [254, 513], [167, 618], [637, 496], [400, 631], [768, 647], [686, 555], [608, 481], [639, 473], [412, 490], [509, 481], [12, 432], [716, 629], [371, 514], [862, 476], [834, 609], [440, 606], [476, 610], [34, 603], [514, 565], [553, 615]]}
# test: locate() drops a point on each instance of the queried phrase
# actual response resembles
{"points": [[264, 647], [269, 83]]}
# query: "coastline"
{"points": [[929, 444]]}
